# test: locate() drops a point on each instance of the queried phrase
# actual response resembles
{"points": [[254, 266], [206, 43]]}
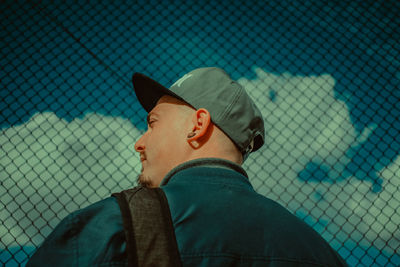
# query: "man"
{"points": [[199, 133]]}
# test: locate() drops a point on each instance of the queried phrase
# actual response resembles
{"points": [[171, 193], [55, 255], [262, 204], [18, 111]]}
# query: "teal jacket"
{"points": [[219, 220]]}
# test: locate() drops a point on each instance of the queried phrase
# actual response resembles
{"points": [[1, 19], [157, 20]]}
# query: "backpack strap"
{"points": [[149, 232]]}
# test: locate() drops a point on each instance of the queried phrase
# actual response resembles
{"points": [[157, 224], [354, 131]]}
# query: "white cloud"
{"points": [[353, 209], [50, 167], [305, 119], [306, 123]]}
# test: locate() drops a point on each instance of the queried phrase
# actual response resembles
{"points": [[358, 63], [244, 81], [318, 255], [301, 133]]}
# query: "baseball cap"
{"points": [[230, 107]]}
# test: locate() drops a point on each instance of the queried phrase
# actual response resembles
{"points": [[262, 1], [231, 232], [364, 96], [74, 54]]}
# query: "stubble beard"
{"points": [[144, 181]]}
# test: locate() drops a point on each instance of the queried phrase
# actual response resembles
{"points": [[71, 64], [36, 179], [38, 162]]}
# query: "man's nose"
{"points": [[139, 145]]}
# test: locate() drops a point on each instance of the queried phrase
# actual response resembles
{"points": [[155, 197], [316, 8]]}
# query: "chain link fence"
{"points": [[325, 75]]}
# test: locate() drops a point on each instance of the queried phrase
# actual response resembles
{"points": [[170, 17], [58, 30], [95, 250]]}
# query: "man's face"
{"points": [[163, 146]]}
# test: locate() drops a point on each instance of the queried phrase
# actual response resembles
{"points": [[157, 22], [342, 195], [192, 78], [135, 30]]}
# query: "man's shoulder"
{"points": [[82, 221], [257, 224], [105, 206], [99, 223], [291, 234], [276, 216]]}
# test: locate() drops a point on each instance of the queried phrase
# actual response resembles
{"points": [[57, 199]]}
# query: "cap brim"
{"points": [[258, 142], [148, 91]]}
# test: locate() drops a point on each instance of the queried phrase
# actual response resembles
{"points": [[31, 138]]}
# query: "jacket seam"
{"points": [[250, 257], [208, 182], [200, 163], [73, 221], [235, 99]]}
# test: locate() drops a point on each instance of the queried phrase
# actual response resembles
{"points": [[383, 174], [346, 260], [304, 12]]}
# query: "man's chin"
{"points": [[144, 181]]}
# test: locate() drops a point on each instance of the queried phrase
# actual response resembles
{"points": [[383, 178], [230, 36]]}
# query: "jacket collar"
{"points": [[204, 162]]}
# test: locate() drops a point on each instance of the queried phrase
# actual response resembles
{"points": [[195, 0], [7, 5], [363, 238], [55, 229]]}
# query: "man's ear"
{"points": [[201, 120]]}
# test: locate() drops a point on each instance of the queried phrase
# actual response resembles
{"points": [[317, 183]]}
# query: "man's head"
{"points": [[177, 133], [203, 114]]}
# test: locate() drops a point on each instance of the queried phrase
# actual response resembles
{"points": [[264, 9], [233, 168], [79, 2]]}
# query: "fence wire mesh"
{"points": [[325, 75]]}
